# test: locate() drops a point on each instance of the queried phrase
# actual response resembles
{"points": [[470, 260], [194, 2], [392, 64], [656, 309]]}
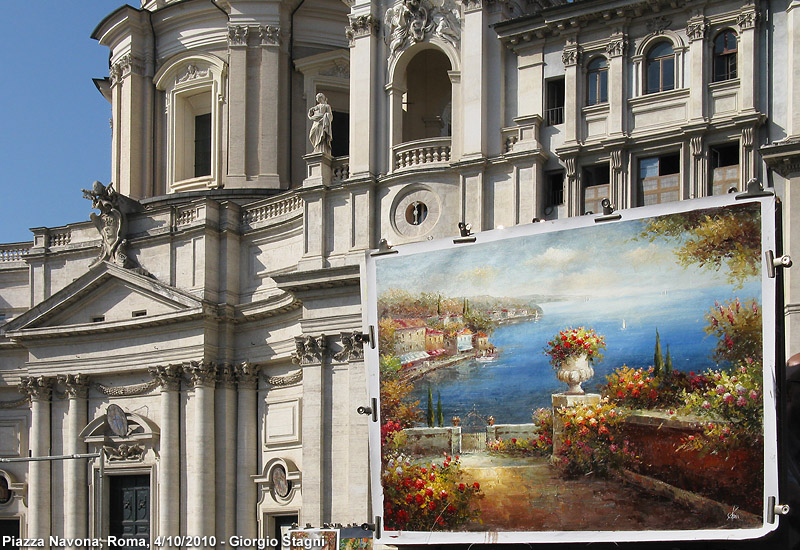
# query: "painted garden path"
{"points": [[528, 494]]}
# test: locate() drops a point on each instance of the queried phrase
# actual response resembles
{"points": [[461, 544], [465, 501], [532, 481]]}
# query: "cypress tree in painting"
{"points": [[439, 415], [658, 359], [431, 423], [668, 364]]}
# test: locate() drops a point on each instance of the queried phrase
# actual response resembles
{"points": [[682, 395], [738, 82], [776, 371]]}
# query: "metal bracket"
{"points": [[608, 212], [754, 190], [374, 527], [384, 248], [466, 233], [773, 263], [363, 337], [372, 410], [774, 509]]}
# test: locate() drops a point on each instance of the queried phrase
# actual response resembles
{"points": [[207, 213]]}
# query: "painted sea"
{"points": [[521, 379]]}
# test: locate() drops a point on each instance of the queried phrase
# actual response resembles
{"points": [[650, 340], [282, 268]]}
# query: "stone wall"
{"points": [[434, 441]]}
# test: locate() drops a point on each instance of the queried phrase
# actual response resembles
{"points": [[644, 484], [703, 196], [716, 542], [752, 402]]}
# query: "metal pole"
{"points": [[57, 457]]}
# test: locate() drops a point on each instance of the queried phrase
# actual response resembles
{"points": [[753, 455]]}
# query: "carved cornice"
{"points": [[226, 377], [309, 349], [783, 156], [286, 380], [472, 5], [352, 348], [201, 374], [38, 388], [77, 385], [247, 376], [697, 29], [237, 35], [361, 25], [169, 377]]}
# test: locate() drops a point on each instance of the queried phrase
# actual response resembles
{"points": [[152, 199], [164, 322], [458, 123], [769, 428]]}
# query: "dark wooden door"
{"points": [[129, 513], [9, 528]]}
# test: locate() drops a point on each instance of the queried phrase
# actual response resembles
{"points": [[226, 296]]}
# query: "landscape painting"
{"points": [[600, 378]]}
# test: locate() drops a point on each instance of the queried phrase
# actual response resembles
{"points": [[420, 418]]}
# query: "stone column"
{"points": [[40, 389], [747, 164], [310, 353], [570, 57], [247, 450], [227, 453], [616, 76], [200, 470], [473, 79], [748, 61], [699, 182], [793, 63], [237, 104], [620, 190], [169, 469], [363, 35], [76, 487], [696, 29], [273, 125]]}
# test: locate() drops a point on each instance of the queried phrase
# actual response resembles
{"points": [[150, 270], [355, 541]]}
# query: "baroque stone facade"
{"points": [[217, 302]]}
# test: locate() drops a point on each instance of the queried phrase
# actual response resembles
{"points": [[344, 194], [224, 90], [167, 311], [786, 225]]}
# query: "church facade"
{"points": [[199, 340]]}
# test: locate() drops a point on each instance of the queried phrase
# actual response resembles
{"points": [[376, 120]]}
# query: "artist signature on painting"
{"points": [[733, 516]]}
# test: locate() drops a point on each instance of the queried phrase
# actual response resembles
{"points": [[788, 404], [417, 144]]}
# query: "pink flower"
{"points": [[741, 402], [727, 397]]}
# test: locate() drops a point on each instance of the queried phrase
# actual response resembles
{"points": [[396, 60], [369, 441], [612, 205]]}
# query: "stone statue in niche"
{"points": [[111, 223], [321, 134]]}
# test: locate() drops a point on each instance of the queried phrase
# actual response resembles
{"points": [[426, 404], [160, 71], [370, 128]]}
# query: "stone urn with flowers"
{"points": [[572, 352]]}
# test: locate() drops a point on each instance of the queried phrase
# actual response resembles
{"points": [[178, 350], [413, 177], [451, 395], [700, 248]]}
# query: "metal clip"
{"points": [[774, 509], [754, 189], [371, 410], [773, 263], [608, 212], [364, 337], [466, 233], [375, 527], [384, 248]]}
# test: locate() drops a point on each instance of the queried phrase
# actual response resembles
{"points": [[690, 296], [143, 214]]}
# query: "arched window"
{"points": [[427, 106], [5, 492], [597, 81], [660, 68], [725, 48]]}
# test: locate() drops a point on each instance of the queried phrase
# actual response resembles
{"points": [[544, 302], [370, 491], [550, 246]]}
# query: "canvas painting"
{"points": [[579, 378]]}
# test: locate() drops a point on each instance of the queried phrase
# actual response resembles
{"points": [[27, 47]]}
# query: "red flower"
{"points": [[461, 487], [431, 507], [419, 499], [476, 486], [419, 484], [428, 492], [514, 440], [409, 498]]}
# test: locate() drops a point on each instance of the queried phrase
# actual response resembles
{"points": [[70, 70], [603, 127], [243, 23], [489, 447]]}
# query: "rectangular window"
{"points": [[554, 97], [140, 313], [724, 168], [596, 187], [555, 189], [659, 179], [340, 128], [98, 319], [202, 145]]}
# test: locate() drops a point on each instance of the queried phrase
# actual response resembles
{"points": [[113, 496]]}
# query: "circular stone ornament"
{"points": [[117, 421], [415, 212]]}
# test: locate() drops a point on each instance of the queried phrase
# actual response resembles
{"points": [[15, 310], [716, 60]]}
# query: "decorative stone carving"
{"points": [[361, 25], [286, 380], [169, 377], [616, 46], [124, 391], [309, 350], [747, 19], [237, 35], [696, 144], [352, 348], [412, 21], [193, 72], [616, 160], [697, 29], [201, 373], [77, 385], [247, 376], [339, 70], [14, 404], [124, 452], [112, 223], [570, 164], [38, 388], [747, 137], [321, 134], [124, 66], [269, 35], [226, 377], [570, 56], [658, 25]]}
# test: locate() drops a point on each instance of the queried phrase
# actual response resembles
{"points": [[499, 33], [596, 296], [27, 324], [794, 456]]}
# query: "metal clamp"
{"points": [[364, 337], [374, 527], [608, 212], [774, 509], [754, 190], [466, 233], [372, 410], [773, 263], [384, 247]]}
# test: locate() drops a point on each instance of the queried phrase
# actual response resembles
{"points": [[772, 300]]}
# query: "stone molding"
{"points": [[247, 376], [201, 374], [696, 144], [361, 25], [309, 349], [77, 385], [286, 380], [38, 388], [14, 404], [126, 391], [616, 160], [697, 29], [169, 377]]}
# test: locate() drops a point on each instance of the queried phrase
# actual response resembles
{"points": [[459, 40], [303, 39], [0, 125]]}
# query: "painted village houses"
{"points": [[202, 329]]}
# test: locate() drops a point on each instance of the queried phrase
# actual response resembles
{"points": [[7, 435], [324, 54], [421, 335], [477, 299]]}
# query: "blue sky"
{"points": [[55, 132]]}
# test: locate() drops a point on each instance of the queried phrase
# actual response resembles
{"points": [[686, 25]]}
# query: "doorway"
{"points": [[129, 510], [9, 528]]}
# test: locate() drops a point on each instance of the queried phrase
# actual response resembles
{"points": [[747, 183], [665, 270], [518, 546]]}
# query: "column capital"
{"points": [[38, 388], [571, 55], [361, 25], [697, 28], [269, 35], [169, 377], [237, 35], [352, 348], [747, 18], [77, 385], [247, 376], [124, 66], [201, 374], [309, 349], [617, 45], [226, 376]]}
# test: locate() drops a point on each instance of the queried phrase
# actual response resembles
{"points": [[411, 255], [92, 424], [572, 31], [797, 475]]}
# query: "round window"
{"points": [[416, 212], [5, 493]]}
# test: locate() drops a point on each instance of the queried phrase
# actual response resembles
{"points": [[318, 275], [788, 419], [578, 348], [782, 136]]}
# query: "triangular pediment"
{"points": [[106, 298]]}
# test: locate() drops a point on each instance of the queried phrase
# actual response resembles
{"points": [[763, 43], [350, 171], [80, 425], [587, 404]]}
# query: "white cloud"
{"points": [[555, 258]]}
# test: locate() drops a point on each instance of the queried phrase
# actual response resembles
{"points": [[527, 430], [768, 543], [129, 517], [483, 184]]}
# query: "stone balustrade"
{"points": [[59, 238], [272, 209], [14, 252], [340, 169], [421, 153]]}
